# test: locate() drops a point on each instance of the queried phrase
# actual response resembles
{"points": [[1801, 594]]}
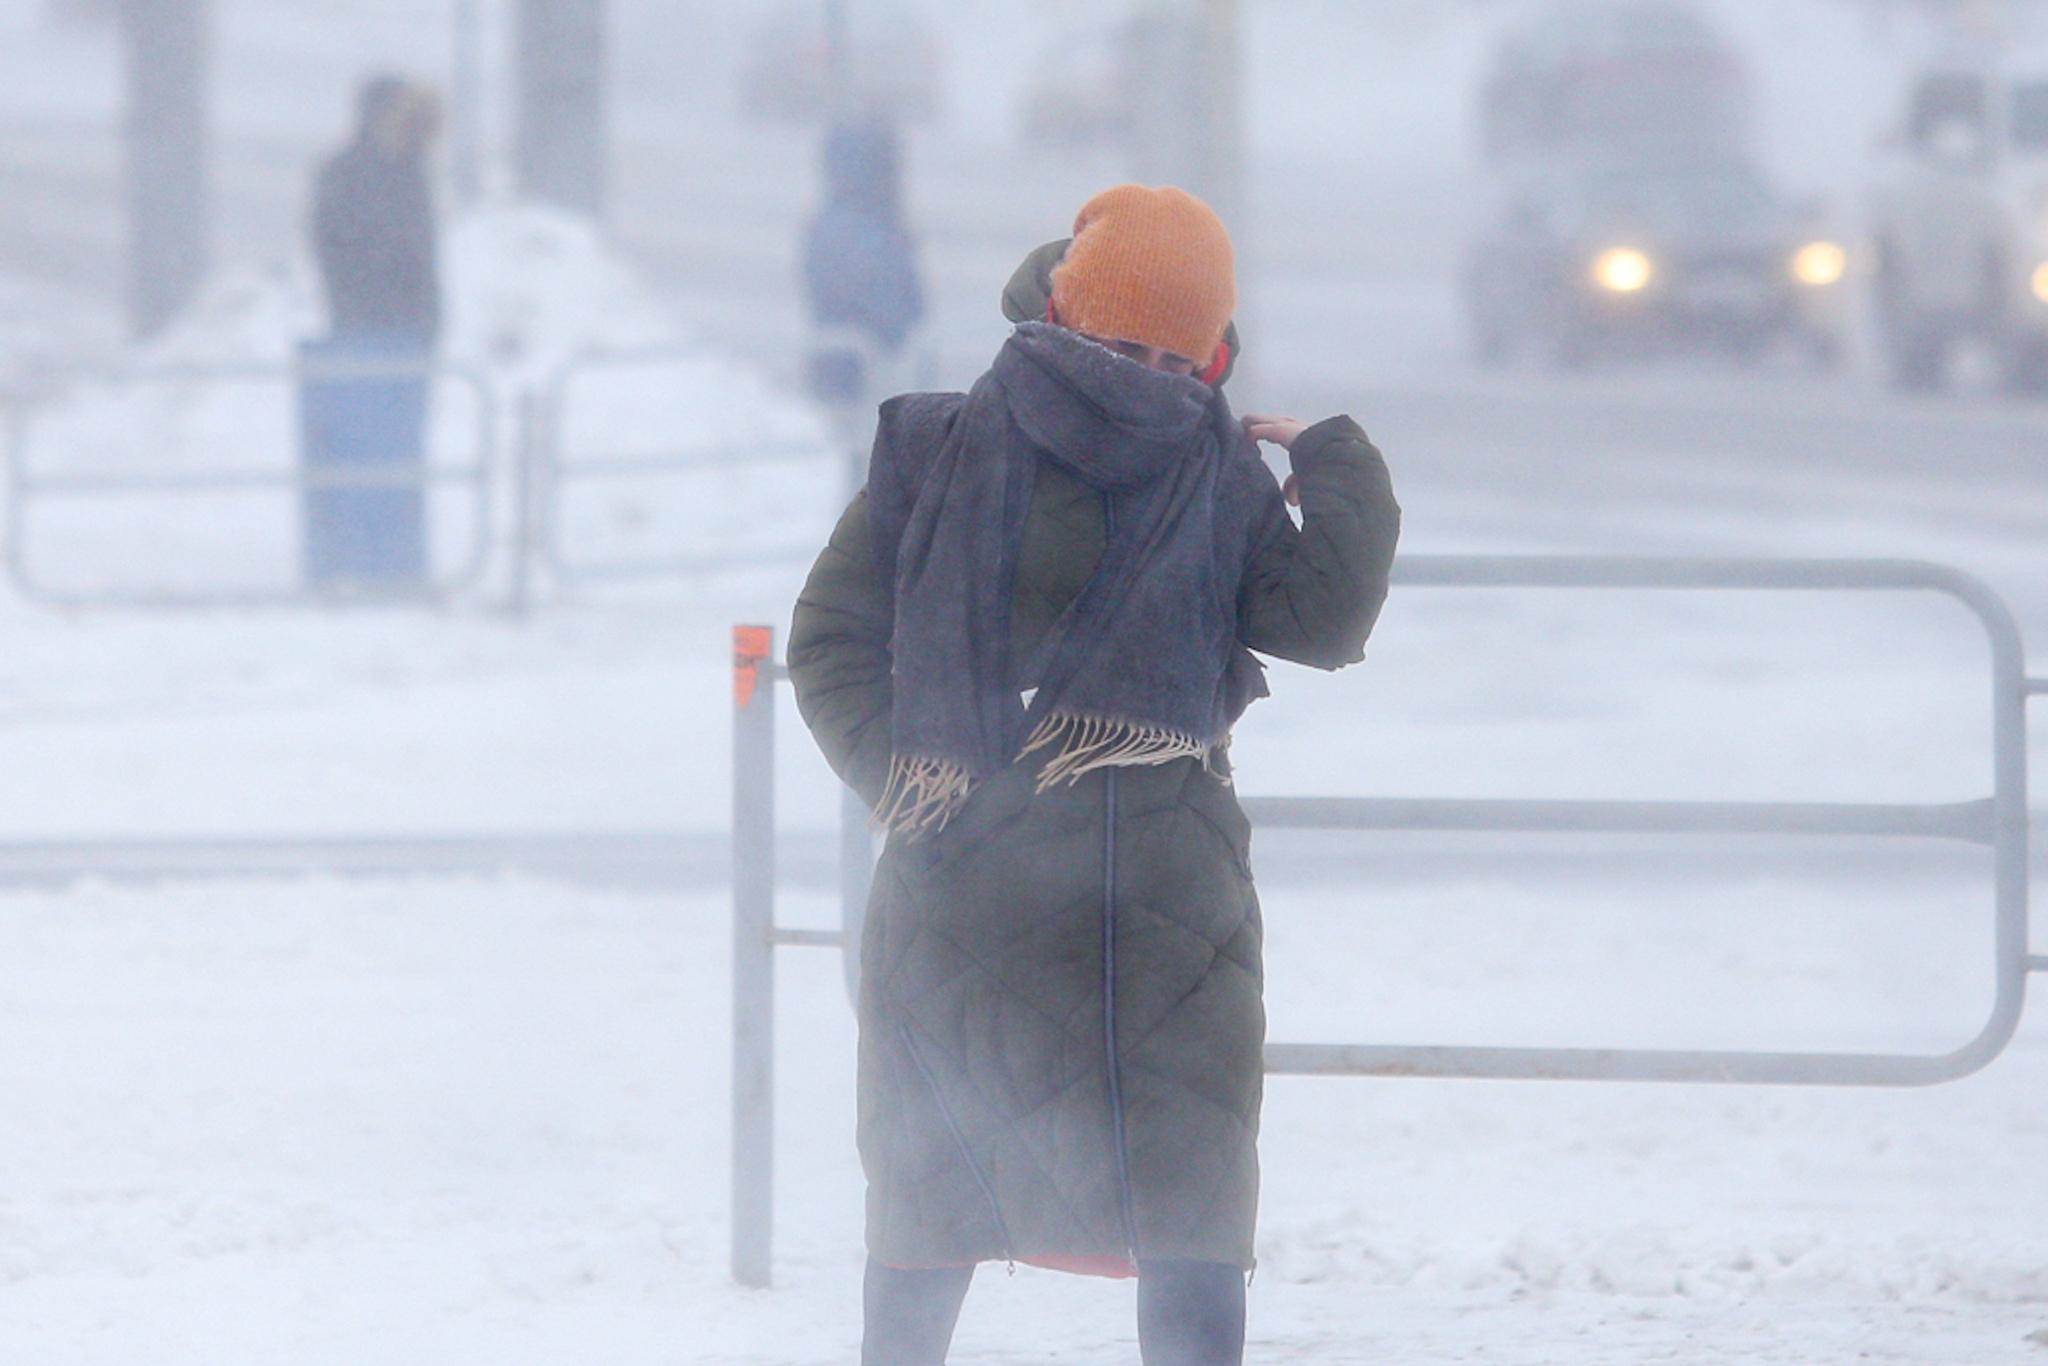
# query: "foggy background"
{"points": [[372, 958], [1368, 110], [1358, 190]]}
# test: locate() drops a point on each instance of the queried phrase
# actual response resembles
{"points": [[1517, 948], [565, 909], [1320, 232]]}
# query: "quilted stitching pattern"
{"points": [[992, 958]]}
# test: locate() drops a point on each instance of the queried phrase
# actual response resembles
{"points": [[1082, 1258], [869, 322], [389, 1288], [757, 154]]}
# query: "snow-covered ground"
{"points": [[273, 1121], [452, 1122], [446, 1120]]}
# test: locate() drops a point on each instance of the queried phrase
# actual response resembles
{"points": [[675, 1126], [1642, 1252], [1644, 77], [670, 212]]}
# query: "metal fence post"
{"points": [[753, 955], [533, 430], [480, 477], [14, 532]]}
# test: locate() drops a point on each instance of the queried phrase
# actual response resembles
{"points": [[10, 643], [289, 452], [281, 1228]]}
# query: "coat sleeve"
{"points": [[1313, 593], [839, 658]]}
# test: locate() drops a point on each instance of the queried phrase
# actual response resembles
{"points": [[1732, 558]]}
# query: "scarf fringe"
{"points": [[922, 795], [1082, 744]]}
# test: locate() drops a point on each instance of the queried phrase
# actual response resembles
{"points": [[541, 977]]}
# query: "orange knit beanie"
{"points": [[1148, 265]]}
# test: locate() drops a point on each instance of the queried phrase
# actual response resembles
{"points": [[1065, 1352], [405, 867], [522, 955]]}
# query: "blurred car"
{"points": [[892, 57], [1959, 222], [1615, 78], [1099, 85], [1599, 258], [1079, 91]]}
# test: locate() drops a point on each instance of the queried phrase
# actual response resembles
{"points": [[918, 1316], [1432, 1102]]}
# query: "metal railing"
{"points": [[542, 478], [26, 485], [667, 858], [1997, 823], [553, 472]]}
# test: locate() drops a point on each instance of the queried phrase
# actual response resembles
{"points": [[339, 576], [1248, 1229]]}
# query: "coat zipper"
{"points": [[1127, 1207], [966, 1153], [1116, 1085]]}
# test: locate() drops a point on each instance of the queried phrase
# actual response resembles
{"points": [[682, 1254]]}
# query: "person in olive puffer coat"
{"points": [[1025, 647]]}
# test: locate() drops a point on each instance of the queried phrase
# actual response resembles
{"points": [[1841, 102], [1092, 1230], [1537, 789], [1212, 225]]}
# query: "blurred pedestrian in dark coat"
{"points": [[373, 219]]}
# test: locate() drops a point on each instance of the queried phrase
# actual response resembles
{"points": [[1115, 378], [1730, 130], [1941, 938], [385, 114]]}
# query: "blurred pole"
{"points": [[838, 61], [165, 147], [1219, 172], [1166, 106], [1219, 175], [561, 129], [466, 103], [1186, 122]]}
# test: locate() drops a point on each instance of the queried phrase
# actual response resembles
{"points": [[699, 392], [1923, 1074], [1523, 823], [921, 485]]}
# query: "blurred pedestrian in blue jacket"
{"points": [[860, 264]]}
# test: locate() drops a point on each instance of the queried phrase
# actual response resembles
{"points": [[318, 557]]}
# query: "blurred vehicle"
{"points": [[893, 61], [1621, 78], [1079, 91], [1101, 84], [1597, 258], [1959, 223]]}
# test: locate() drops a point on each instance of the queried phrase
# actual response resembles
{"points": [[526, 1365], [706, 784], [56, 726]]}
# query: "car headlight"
{"points": [[1820, 263], [2041, 282], [1623, 270]]}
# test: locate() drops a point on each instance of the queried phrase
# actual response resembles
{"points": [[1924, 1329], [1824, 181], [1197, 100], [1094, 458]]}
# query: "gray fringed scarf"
{"points": [[1144, 667]]}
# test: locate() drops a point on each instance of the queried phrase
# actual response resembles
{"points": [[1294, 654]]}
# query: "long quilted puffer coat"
{"points": [[1061, 1021]]}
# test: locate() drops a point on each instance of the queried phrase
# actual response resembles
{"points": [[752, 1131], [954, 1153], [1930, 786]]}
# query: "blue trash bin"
{"points": [[374, 536]]}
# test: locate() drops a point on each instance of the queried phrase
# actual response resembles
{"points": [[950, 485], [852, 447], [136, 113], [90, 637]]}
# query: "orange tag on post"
{"points": [[751, 647]]}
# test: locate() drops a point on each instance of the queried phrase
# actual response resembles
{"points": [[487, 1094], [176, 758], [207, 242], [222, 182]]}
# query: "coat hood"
{"points": [[1029, 293]]}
